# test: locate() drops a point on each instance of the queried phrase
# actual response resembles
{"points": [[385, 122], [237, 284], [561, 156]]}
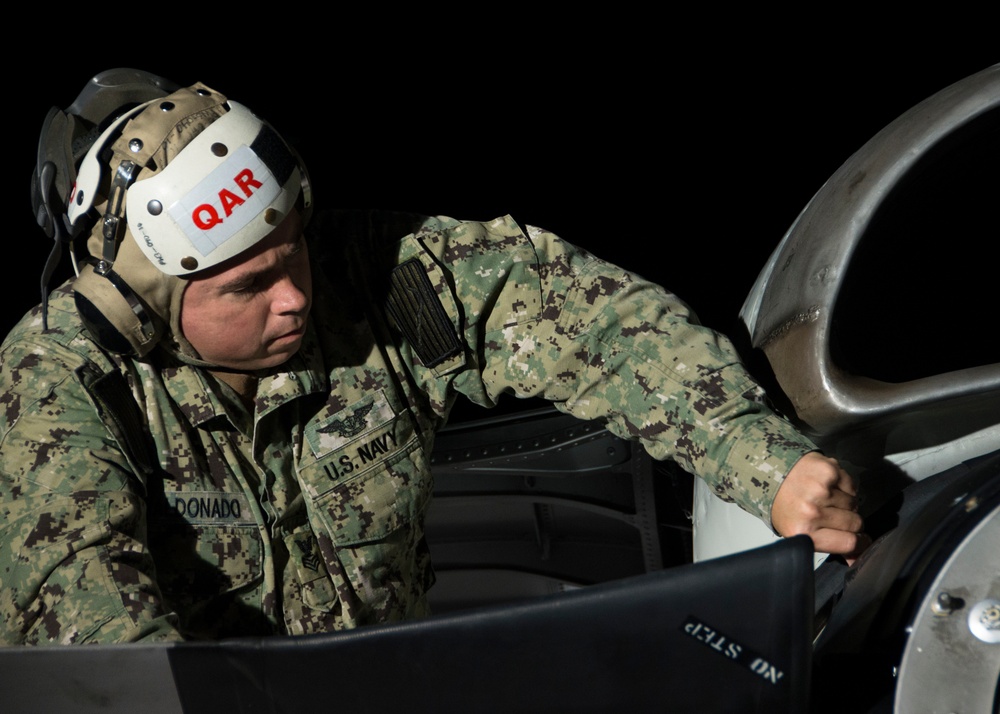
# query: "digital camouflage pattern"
{"points": [[307, 515]]}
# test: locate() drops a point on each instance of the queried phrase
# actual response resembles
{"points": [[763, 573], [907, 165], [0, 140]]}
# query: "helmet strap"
{"points": [[113, 225]]}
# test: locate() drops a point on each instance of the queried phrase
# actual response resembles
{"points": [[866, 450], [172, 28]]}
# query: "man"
{"points": [[220, 428]]}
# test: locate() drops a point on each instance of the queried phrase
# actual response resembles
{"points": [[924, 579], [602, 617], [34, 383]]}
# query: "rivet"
{"points": [[166, 106], [189, 263], [135, 145], [79, 198], [220, 149], [271, 217], [946, 603], [154, 207]]}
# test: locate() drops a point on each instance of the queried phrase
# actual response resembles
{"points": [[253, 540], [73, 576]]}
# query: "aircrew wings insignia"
{"points": [[351, 425]]}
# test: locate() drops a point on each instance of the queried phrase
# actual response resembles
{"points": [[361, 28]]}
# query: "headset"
{"points": [[66, 138]]}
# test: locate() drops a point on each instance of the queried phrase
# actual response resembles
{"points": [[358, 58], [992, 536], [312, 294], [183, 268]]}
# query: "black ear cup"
{"points": [[116, 317], [100, 328]]}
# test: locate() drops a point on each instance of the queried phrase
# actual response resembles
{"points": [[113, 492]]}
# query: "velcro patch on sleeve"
{"points": [[417, 312]]}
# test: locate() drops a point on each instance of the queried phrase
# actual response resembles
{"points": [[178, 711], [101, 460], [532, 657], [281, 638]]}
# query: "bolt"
{"points": [[945, 604]]}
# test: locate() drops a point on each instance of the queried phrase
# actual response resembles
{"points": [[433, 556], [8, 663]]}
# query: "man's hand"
{"points": [[818, 499]]}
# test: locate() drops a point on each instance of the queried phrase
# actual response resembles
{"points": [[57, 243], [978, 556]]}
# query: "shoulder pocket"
{"points": [[422, 306], [418, 312]]}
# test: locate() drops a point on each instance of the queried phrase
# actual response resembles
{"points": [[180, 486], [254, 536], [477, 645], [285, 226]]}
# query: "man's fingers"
{"points": [[840, 519], [841, 499], [844, 481], [828, 540], [806, 517]]}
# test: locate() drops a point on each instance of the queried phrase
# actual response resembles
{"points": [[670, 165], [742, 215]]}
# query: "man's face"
{"points": [[249, 312]]}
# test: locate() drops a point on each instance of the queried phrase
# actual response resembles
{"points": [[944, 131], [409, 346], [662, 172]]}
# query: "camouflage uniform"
{"points": [[307, 515]]}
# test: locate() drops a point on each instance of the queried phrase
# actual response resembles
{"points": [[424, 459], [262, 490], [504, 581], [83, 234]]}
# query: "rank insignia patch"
{"points": [[309, 557]]}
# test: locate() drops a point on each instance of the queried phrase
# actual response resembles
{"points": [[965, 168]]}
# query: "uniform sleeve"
{"points": [[542, 318], [74, 565]]}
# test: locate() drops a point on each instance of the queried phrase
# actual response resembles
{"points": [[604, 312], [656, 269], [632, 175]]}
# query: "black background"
{"points": [[685, 166]]}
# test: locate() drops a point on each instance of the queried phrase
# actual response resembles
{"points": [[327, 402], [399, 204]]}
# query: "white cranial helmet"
{"points": [[183, 183]]}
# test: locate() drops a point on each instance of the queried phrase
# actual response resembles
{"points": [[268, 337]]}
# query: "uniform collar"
{"points": [[202, 399], [301, 375]]}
